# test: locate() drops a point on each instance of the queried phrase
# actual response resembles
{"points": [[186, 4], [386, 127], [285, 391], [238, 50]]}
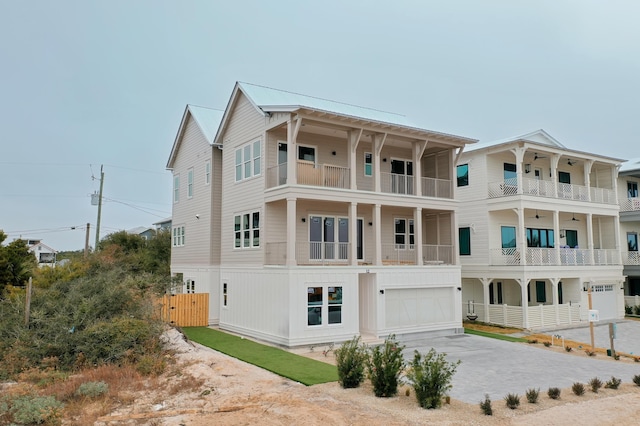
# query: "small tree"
{"points": [[384, 367], [431, 377], [351, 358]]}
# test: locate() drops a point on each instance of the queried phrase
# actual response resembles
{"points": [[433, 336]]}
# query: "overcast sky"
{"points": [[85, 83]]}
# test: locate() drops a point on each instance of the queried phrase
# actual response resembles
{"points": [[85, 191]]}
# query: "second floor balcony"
{"points": [[551, 189], [560, 256]]}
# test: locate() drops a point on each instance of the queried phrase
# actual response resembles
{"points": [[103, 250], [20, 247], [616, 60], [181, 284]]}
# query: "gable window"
{"points": [[176, 188], [463, 175], [190, 183], [207, 172], [248, 161], [403, 234], [464, 241], [246, 229], [632, 189], [368, 164], [178, 236]]}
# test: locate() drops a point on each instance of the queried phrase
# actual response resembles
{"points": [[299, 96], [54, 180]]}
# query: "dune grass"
{"points": [[494, 335], [295, 367]]}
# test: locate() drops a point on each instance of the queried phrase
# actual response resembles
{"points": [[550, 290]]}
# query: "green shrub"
{"points": [[512, 400], [485, 406], [636, 310], [578, 389], [151, 365], [431, 375], [595, 384], [92, 389], [30, 409], [547, 344], [636, 379], [532, 341], [532, 395], [351, 359], [614, 383], [628, 310], [384, 365], [554, 393]]}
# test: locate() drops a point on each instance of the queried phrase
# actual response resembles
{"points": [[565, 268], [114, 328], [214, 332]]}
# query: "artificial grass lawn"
{"points": [[494, 335], [295, 367]]}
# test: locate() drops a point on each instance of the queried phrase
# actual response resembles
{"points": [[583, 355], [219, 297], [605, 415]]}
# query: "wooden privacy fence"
{"points": [[186, 310]]}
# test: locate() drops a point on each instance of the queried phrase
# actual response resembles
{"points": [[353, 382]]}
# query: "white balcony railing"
{"points": [[392, 183], [398, 254], [437, 254], [630, 204], [536, 256], [538, 188], [548, 188], [630, 258], [440, 188]]}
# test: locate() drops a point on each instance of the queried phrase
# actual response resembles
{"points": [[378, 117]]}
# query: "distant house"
{"points": [[45, 255], [628, 182], [163, 224], [539, 227], [309, 221], [144, 232]]}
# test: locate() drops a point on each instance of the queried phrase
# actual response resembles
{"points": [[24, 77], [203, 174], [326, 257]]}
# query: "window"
{"points": [[401, 176], [190, 286], [632, 189], [178, 236], [307, 153], [499, 293], [572, 238], [564, 177], [368, 164], [404, 234], [323, 234], [463, 175], [464, 241], [246, 228], [510, 175], [224, 294], [632, 241], [508, 236], [543, 238], [176, 188], [314, 305], [248, 161], [541, 295], [207, 172], [190, 183]]}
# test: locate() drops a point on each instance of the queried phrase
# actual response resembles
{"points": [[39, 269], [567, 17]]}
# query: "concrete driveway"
{"points": [[496, 367]]}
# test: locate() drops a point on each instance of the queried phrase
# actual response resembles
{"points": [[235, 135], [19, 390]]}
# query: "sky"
{"points": [[85, 84]]}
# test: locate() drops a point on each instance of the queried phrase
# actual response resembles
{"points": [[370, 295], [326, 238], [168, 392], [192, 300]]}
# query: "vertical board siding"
{"points": [[186, 310]]}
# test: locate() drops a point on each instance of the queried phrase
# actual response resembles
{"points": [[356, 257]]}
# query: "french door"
{"points": [[329, 238]]}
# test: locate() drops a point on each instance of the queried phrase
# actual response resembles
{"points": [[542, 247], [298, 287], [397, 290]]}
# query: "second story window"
{"points": [[178, 236], [368, 164], [207, 172], [464, 241], [463, 175], [248, 161], [190, 183], [632, 189], [176, 188], [246, 228]]}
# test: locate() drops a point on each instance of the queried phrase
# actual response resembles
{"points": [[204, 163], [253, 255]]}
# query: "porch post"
{"points": [[556, 232], [353, 139], [522, 241], [353, 233], [587, 177], [377, 234], [485, 297], [417, 223], [455, 255], [524, 301], [554, 173], [293, 127], [291, 232], [555, 299], [378, 143], [418, 151], [616, 234], [519, 153], [614, 178], [590, 238]]}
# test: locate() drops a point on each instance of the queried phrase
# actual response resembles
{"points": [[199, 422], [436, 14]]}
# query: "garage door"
{"points": [[418, 306], [603, 297]]}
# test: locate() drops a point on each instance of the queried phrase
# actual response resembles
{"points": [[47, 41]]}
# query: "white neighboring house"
{"points": [[539, 227], [628, 183], [144, 231], [312, 221], [45, 255]]}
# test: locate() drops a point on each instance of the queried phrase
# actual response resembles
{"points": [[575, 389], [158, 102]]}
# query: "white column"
{"points": [[587, 177], [525, 302], [590, 237], [554, 173], [292, 222], [292, 151], [556, 233], [353, 233], [519, 152], [485, 297], [616, 232], [417, 224], [522, 240], [377, 234]]}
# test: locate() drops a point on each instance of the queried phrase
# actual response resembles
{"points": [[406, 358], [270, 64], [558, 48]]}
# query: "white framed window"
{"points": [[248, 161], [224, 294], [321, 311], [190, 183], [368, 164], [190, 286], [178, 236], [403, 234], [176, 188], [307, 153], [207, 172], [246, 229]]}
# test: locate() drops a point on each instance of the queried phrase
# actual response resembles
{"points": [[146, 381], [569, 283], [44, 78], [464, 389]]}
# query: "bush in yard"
{"points": [[636, 379], [578, 389], [351, 358], [485, 406], [554, 393], [636, 310], [628, 310], [595, 384], [512, 400], [614, 383], [385, 363], [431, 376], [92, 389], [532, 395], [29, 409]]}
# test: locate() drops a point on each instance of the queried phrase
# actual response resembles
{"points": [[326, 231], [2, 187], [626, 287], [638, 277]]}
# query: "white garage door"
{"points": [[603, 297], [418, 306]]}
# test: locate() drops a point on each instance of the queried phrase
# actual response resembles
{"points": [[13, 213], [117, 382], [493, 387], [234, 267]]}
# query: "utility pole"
{"points": [[86, 241], [99, 207], [591, 322]]}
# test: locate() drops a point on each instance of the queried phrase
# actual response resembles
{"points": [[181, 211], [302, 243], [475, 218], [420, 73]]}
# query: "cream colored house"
{"points": [[311, 221], [45, 255], [628, 183], [539, 227]]}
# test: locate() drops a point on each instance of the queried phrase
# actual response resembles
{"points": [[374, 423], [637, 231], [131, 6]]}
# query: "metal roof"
{"points": [[269, 99], [631, 165], [208, 120], [537, 136]]}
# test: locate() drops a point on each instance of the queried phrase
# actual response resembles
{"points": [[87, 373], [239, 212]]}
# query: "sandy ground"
{"points": [[231, 392]]}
